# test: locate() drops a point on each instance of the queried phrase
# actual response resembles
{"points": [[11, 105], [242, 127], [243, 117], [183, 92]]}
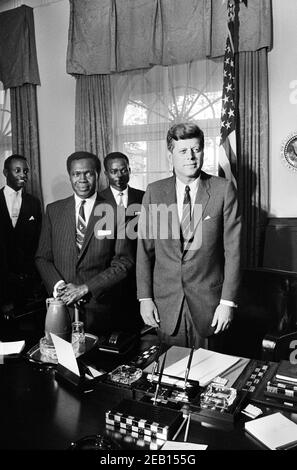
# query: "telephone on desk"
{"points": [[118, 342]]}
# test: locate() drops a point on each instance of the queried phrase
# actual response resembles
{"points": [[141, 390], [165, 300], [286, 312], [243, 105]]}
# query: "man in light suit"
{"points": [[75, 262], [188, 278], [119, 193], [21, 216]]}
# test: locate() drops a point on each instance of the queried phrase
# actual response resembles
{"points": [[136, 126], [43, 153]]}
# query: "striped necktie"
{"points": [[186, 217], [81, 225]]}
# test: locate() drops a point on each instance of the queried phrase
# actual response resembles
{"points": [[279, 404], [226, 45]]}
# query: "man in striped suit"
{"points": [[74, 262]]}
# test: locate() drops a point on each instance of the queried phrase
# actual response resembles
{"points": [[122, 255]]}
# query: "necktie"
{"points": [[121, 203], [15, 209], [186, 217], [81, 225]]}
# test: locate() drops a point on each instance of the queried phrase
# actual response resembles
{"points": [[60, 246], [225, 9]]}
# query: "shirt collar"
{"points": [[88, 200], [180, 186], [116, 192], [9, 191]]}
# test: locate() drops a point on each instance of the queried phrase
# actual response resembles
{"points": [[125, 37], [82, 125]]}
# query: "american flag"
{"points": [[227, 153]]}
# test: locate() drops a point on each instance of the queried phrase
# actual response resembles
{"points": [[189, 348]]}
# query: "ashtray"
{"points": [[125, 374], [44, 352], [217, 397]]}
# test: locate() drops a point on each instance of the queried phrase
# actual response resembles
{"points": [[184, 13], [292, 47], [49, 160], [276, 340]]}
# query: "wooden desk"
{"points": [[39, 414]]}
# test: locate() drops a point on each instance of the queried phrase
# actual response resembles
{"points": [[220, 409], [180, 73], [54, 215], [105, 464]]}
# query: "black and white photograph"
{"points": [[148, 237]]}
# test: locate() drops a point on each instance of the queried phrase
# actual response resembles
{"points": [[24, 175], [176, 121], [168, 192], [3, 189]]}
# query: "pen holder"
{"points": [[170, 391]]}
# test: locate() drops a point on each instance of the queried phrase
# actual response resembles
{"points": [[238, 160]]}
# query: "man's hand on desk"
{"points": [[149, 313], [222, 318], [71, 293]]}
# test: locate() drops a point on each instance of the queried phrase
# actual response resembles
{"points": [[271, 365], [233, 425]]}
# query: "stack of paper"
{"points": [[274, 431], [11, 347], [205, 366]]}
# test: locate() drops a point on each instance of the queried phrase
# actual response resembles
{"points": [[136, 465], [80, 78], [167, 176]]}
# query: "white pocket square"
{"points": [[207, 217], [137, 213], [32, 218], [103, 233]]}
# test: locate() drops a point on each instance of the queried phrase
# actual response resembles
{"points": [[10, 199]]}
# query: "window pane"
{"points": [[146, 103]]}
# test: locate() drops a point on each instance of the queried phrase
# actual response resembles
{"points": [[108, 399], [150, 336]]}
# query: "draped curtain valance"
{"points": [[18, 59], [108, 36]]}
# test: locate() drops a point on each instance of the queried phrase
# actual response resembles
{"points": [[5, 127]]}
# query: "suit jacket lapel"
{"points": [[22, 214], [4, 210], [169, 199], [202, 198], [70, 225], [201, 202], [108, 196]]}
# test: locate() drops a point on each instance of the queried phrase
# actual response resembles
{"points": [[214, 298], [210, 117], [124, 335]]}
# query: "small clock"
{"points": [[289, 151]]}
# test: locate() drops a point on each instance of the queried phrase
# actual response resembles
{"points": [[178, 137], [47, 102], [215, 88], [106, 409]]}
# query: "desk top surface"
{"points": [[37, 413]]}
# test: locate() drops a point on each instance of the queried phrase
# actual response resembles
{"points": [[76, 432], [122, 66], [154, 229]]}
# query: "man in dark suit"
{"points": [[77, 260], [188, 275], [20, 229], [119, 193]]}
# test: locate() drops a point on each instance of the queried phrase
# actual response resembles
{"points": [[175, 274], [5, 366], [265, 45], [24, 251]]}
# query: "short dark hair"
{"points": [[79, 156], [15, 156], [184, 130], [112, 156]]}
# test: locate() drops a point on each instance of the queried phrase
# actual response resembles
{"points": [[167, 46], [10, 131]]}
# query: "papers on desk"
{"points": [[274, 431], [173, 445], [65, 354], [11, 347], [206, 365]]}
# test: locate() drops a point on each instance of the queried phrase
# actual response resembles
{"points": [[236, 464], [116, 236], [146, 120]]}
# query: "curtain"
{"points": [[25, 137], [109, 36], [18, 59], [5, 129], [93, 117], [253, 140], [146, 103]]}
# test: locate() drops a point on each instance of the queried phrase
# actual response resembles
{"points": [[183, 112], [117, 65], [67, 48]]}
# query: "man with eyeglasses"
{"points": [[122, 196], [188, 266], [21, 216], [76, 264]]}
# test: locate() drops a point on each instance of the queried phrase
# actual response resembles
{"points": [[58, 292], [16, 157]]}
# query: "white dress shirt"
{"points": [[180, 194], [116, 194], [10, 195], [88, 207]]}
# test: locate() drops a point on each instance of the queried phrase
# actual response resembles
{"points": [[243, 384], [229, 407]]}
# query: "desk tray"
{"points": [[34, 354]]}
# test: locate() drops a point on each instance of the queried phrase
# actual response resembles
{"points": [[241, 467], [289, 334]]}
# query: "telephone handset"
{"points": [[118, 342]]}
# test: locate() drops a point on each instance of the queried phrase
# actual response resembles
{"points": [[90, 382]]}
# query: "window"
{"points": [[147, 103], [5, 129]]}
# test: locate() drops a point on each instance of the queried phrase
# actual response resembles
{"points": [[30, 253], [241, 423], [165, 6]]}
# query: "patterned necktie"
{"points": [[81, 225], [121, 203], [15, 209], [186, 217]]}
